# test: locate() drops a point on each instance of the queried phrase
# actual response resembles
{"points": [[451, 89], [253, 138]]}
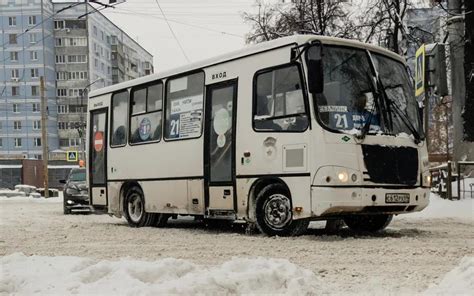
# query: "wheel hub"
{"points": [[277, 211], [135, 208]]}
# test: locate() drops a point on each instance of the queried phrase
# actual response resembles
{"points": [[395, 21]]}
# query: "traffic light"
{"points": [[436, 68]]}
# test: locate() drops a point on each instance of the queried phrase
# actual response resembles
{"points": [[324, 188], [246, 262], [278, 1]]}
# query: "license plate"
{"points": [[397, 198]]}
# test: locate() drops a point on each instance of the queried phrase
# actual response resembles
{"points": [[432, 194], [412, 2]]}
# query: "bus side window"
{"points": [[119, 118], [184, 107], [145, 120], [279, 101]]}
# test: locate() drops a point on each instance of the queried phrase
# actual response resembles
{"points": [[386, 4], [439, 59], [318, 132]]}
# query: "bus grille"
{"points": [[391, 165]]}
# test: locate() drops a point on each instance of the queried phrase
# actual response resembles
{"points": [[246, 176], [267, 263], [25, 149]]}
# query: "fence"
{"points": [[30, 172], [453, 180]]}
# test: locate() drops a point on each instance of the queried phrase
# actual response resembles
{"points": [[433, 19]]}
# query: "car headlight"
{"points": [[72, 191]]}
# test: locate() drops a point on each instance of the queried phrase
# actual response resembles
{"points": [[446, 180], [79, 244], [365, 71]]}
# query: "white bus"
{"points": [[274, 135]]}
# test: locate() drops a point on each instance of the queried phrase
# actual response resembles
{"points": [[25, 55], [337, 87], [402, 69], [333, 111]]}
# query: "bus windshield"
{"points": [[353, 100]]}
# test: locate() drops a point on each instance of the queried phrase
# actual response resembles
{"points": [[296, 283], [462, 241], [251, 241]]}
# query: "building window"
{"points": [[60, 59], [37, 142], [34, 73], [32, 20], [16, 108], [14, 56], [96, 63], [37, 125], [77, 59], [1, 142], [17, 125], [36, 107], [32, 37], [76, 41], [61, 92], [1, 125], [61, 75], [74, 142], [17, 142], [78, 75], [62, 109], [58, 25], [15, 91], [59, 42], [15, 73], [33, 55], [95, 30], [12, 38], [12, 21], [34, 90]]}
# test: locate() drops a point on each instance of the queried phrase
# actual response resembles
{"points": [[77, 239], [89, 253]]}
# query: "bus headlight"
{"points": [[343, 177]]}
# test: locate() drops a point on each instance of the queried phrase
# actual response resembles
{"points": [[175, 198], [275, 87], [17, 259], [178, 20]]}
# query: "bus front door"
{"points": [[219, 150], [98, 159]]}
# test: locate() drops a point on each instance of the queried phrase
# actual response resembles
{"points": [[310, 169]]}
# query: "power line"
{"points": [[131, 12], [172, 32]]}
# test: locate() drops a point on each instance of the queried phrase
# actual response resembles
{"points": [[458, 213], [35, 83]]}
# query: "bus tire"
{"points": [[368, 223], [161, 220], [134, 209], [274, 212]]}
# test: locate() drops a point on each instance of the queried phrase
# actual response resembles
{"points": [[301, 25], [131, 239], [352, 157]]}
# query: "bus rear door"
{"points": [[98, 158]]}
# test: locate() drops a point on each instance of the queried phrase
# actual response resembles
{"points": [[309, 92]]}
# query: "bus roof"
{"points": [[249, 50]]}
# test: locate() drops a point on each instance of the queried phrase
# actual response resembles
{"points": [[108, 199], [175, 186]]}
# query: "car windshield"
{"points": [[347, 102], [77, 176], [353, 100]]}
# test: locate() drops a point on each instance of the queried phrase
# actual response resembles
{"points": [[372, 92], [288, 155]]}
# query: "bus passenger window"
{"points": [[184, 107], [145, 126], [279, 101], [119, 118]]}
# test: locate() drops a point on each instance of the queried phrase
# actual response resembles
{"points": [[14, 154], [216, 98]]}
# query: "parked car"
{"points": [[76, 195]]}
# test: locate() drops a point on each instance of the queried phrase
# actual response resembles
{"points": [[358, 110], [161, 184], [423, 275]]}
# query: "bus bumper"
{"points": [[338, 201]]}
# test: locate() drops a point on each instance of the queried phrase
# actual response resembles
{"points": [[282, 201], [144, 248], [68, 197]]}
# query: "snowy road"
{"points": [[414, 253]]}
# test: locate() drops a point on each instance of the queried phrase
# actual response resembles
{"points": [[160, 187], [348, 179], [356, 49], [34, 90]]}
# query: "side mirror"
{"points": [[315, 69], [62, 181]]}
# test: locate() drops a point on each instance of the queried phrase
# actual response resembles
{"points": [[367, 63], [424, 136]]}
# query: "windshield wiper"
{"points": [[366, 127], [404, 117]]}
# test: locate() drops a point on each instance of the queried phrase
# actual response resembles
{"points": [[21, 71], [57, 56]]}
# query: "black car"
{"points": [[75, 191]]}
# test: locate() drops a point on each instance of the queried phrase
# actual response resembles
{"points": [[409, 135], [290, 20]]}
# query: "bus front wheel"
{"points": [[368, 223], [134, 209], [274, 212]]}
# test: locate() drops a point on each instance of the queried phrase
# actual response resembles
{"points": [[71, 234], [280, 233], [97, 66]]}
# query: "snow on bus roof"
{"points": [[245, 51]]}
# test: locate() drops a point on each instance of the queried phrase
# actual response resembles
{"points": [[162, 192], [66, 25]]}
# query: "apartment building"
{"points": [[81, 50]]}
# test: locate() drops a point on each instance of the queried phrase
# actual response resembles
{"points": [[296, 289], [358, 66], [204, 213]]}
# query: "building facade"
{"points": [[78, 50]]}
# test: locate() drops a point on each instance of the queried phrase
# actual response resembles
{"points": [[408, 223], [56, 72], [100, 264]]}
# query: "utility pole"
{"points": [[44, 137], [456, 48]]}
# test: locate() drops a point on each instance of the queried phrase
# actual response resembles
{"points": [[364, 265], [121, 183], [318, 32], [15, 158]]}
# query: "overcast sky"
{"points": [[204, 28]]}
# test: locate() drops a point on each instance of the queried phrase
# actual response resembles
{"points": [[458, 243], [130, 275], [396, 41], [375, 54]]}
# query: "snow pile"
{"points": [[75, 275], [445, 208], [459, 281]]}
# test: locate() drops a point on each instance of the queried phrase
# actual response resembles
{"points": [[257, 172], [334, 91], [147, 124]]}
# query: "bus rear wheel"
{"points": [[368, 223], [134, 209], [274, 212]]}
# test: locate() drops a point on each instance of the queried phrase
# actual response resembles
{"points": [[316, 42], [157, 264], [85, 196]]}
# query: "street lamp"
{"points": [[82, 125]]}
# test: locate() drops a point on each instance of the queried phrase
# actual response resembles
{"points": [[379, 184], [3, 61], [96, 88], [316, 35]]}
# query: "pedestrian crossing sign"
{"points": [[420, 70], [71, 156]]}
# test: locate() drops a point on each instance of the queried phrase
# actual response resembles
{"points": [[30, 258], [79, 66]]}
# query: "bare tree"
{"points": [[319, 17]]}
